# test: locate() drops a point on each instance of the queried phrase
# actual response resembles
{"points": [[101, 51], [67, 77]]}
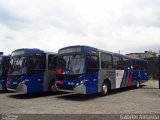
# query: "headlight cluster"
{"points": [[26, 80], [81, 82]]}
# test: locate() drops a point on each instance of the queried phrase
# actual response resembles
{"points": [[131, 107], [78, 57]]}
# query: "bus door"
{"points": [[92, 71], [37, 67], [49, 74]]}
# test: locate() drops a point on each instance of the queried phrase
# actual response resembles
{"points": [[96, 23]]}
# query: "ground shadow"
{"points": [[31, 96], [78, 97], [81, 97], [72, 97], [5, 92]]}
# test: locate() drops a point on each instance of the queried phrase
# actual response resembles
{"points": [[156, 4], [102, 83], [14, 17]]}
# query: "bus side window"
{"points": [[145, 66], [92, 63], [141, 65], [106, 61], [133, 65], [52, 59], [37, 64], [117, 63], [126, 64], [138, 64]]}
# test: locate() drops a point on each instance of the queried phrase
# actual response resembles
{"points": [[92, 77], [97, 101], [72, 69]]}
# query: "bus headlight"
{"points": [[77, 84], [81, 82], [26, 80]]}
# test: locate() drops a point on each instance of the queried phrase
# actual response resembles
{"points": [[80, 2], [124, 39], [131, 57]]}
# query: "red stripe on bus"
{"points": [[58, 82], [130, 79]]}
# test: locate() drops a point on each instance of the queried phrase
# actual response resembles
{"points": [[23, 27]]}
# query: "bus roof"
{"points": [[35, 50], [114, 54], [78, 46]]}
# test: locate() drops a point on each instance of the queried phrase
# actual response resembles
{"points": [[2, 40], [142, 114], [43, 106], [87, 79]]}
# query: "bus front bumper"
{"points": [[11, 88], [22, 88], [81, 89]]}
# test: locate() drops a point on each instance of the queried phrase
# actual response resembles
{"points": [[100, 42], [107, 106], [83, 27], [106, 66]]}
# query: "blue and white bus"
{"points": [[88, 70], [4, 67], [31, 71]]}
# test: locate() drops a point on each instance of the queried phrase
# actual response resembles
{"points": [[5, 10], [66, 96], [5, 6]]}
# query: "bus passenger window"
{"points": [[52, 59], [106, 61], [93, 63], [126, 63], [117, 63], [37, 64]]}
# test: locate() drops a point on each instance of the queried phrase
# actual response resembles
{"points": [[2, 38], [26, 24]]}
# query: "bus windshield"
{"points": [[71, 64], [18, 65], [1, 69]]}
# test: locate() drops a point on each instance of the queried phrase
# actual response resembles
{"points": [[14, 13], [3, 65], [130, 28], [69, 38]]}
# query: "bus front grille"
{"points": [[12, 87], [65, 87]]}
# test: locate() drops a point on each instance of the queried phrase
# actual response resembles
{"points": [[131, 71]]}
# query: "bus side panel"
{"points": [[3, 84], [144, 76], [121, 78], [35, 84], [48, 76], [106, 74], [135, 74], [139, 75], [129, 78], [124, 78], [92, 84]]}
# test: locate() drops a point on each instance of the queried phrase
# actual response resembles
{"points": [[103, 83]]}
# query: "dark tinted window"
{"points": [[125, 63], [142, 65], [37, 64], [145, 65], [138, 65], [106, 61], [117, 63], [134, 65], [52, 62], [92, 62]]}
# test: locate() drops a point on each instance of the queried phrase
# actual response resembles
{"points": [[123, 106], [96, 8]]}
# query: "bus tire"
{"points": [[51, 87], [105, 89]]}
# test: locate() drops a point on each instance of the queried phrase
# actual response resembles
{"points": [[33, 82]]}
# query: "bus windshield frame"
{"points": [[71, 61], [18, 63]]}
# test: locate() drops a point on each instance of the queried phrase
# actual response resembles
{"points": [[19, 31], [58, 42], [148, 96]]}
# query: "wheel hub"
{"points": [[105, 88]]}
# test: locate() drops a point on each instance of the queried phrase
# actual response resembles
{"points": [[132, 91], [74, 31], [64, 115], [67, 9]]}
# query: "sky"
{"points": [[113, 25]]}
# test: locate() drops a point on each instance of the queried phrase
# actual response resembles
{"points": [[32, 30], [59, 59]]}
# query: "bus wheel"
{"points": [[51, 88], [105, 89]]}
